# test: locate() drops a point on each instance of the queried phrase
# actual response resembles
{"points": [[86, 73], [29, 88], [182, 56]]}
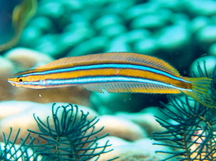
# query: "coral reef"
{"points": [[19, 59], [18, 114], [68, 135], [123, 131], [190, 130], [190, 126], [176, 31], [180, 32]]}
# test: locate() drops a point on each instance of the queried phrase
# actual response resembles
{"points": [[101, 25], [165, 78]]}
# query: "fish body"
{"points": [[115, 72]]}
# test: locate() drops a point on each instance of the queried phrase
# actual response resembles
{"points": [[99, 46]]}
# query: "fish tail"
{"points": [[201, 91]]}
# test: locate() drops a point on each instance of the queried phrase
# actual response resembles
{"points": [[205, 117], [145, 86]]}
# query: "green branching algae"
{"points": [[68, 135]]}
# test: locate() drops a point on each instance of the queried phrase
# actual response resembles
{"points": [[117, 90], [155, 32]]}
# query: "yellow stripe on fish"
{"points": [[115, 72]]}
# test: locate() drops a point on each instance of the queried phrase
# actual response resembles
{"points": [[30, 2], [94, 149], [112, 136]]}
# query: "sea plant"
{"points": [[190, 127], [67, 135]]}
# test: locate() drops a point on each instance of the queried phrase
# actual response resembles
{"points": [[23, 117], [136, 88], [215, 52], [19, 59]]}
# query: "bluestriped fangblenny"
{"points": [[115, 72]]}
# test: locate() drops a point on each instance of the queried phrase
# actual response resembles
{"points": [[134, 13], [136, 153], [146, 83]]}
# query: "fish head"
{"points": [[27, 81], [17, 82]]}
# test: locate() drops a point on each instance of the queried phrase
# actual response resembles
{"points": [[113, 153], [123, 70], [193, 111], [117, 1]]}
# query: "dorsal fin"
{"points": [[118, 57]]}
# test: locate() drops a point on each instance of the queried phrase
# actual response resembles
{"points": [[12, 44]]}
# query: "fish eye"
{"points": [[20, 79]]}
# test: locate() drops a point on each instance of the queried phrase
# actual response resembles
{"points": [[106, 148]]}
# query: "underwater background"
{"points": [[181, 32]]}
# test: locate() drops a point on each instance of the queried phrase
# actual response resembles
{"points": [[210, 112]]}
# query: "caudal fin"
{"points": [[201, 91]]}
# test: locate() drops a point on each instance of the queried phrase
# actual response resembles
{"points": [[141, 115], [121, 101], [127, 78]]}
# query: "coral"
{"points": [[144, 118], [140, 150], [19, 59], [18, 114], [207, 63], [67, 139], [121, 127], [6, 71], [26, 58], [177, 31]]}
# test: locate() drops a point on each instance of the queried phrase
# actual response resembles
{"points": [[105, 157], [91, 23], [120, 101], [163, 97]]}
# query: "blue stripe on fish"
{"points": [[103, 66], [101, 79]]}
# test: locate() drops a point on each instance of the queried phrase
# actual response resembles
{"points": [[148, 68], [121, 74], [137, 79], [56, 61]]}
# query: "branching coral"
{"points": [[68, 136]]}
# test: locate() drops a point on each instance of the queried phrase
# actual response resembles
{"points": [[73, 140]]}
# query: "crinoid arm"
{"points": [[69, 135], [190, 130]]}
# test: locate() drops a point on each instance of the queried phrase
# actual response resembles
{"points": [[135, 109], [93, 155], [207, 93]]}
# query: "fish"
{"points": [[22, 13], [115, 72]]}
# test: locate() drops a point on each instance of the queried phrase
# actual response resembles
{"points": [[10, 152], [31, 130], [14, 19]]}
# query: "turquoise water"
{"points": [[181, 32]]}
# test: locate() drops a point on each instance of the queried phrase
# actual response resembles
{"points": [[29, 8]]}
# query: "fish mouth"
{"points": [[12, 83]]}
